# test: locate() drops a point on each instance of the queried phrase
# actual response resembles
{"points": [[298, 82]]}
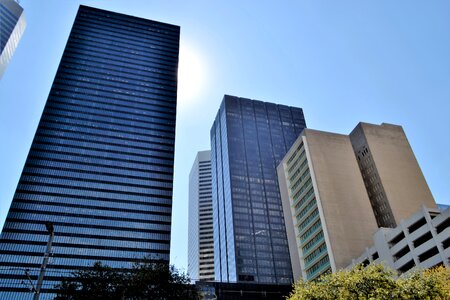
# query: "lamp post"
{"points": [[51, 235]]}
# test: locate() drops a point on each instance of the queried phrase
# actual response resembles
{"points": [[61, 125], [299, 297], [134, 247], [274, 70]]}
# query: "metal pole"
{"points": [[51, 233]]}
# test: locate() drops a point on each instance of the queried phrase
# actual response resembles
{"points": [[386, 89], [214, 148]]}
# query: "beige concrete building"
{"points": [[323, 194], [395, 184]]}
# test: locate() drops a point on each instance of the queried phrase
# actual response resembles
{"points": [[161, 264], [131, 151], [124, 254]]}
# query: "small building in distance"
{"points": [[12, 26], [200, 227]]}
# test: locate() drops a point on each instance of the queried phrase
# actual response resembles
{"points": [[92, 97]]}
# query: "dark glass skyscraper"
{"points": [[101, 164], [248, 140]]}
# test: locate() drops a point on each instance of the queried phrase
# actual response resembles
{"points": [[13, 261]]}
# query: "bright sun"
{"points": [[191, 75]]}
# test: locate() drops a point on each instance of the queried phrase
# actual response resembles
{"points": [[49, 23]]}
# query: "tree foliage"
{"points": [[147, 280], [376, 282]]}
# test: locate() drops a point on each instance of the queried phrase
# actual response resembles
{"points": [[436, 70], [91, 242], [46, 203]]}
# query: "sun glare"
{"points": [[191, 75]]}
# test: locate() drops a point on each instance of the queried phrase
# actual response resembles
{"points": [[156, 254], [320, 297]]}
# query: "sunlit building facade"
{"points": [[337, 190], [421, 241], [248, 140], [100, 167], [329, 220], [201, 238], [12, 26]]}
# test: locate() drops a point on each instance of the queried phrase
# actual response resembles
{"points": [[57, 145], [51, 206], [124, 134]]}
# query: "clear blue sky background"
{"points": [[341, 61]]}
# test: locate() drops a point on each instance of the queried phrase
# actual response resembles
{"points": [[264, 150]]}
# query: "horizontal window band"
{"points": [[153, 40], [29, 211], [150, 212], [150, 98], [146, 142], [82, 37], [148, 27], [85, 24], [156, 149], [38, 145], [88, 226], [76, 79], [130, 234], [66, 201], [47, 155], [150, 171], [31, 184], [168, 120], [150, 46], [29, 166], [149, 184], [77, 39], [119, 91], [167, 78], [116, 117], [136, 74], [66, 234], [69, 268], [150, 107], [89, 185], [118, 30], [144, 131], [54, 132], [63, 245], [157, 48], [82, 51], [156, 137], [170, 112]]}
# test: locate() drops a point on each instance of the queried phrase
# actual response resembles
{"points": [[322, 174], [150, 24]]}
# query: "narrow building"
{"points": [[200, 236], [394, 181]]}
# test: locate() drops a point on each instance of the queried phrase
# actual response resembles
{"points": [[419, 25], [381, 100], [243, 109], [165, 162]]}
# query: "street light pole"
{"points": [[51, 235]]}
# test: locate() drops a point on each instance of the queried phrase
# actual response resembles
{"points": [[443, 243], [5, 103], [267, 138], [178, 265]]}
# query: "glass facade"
{"points": [[100, 167], [249, 138], [12, 26]]}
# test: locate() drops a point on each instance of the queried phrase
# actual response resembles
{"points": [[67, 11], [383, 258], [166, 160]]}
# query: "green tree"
{"points": [[428, 284], [376, 282], [147, 280]]}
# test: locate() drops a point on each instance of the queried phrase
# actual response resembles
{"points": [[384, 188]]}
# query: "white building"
{"points": [[201, 241], [12, 26], [423, 240]]}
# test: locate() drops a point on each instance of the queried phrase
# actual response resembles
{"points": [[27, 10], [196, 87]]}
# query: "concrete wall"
{"points": [[401, 177], [432, 233], [348, 215], [287, 213]]}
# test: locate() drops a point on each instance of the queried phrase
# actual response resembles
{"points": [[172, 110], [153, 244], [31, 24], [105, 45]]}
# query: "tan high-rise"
{"points": [[394, 181], [325, 199], [338, 189]]}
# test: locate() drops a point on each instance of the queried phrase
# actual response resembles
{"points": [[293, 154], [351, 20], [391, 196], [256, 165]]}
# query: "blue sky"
{"points": [[341, 61]]}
